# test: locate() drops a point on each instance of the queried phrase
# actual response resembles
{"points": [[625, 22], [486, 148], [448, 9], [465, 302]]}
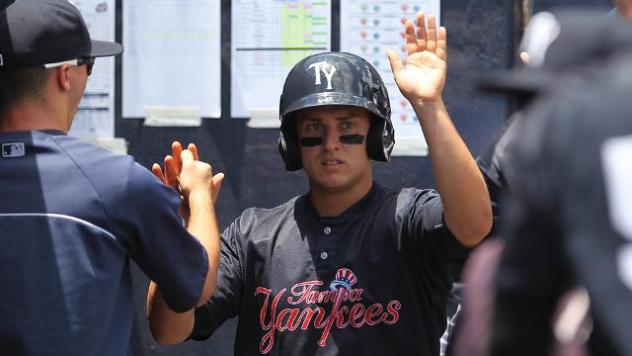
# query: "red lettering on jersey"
{"points": [[309, 309], [356, 315], [303, 291], [393, 311], [308, 313], [267, 341], [373, 314]]}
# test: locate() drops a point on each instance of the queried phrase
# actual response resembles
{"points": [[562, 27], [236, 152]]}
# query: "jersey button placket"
{"points": [[324, 255], [326, 247]]}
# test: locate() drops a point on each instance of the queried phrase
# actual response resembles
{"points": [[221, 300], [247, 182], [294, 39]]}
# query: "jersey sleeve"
{"points": [[226, 300], [437, 252], [495, 166], [157, 240]]}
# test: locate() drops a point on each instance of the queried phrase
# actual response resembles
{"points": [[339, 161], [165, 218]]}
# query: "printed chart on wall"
{"points": [[172, 56], [269, 37], [95, 117], [368, 28]]}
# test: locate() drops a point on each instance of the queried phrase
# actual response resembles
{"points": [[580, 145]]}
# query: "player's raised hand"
{"points": [[173, 169], [195, 176], [422, 77]]}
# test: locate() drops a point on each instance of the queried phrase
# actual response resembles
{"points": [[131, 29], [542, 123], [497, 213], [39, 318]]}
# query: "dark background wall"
{"points": [[480, 40]]}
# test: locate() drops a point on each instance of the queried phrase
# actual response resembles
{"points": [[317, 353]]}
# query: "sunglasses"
{"points": [[89, 62]]}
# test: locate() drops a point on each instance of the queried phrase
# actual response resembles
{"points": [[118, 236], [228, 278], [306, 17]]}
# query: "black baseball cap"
{"points": [[561, 42], [38, 32]]}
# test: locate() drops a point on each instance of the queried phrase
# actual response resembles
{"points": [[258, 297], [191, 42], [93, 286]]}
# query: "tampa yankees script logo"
{"points": [[341, 306]]}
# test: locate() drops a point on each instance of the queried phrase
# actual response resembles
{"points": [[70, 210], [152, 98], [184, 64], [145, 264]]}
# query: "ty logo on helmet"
{"points": [[327, 69]]}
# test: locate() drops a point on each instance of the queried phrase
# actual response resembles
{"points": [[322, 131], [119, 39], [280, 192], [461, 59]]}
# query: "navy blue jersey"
{"points": [[373, 280], [70, 216], [496, 166], [567, 215]]}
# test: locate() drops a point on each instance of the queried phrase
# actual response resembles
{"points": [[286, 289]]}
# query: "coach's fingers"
{"points": [[157, 171], [171, 172], [176, 153]]}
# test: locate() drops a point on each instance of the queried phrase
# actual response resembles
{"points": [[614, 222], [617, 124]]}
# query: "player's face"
{"points": [[333, 146]]}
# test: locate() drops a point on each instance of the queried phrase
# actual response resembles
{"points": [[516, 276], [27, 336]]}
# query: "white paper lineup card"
{"points": [[172, 56], [368, 29], [268, 38]]}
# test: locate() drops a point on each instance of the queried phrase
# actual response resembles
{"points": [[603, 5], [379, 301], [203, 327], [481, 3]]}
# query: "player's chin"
{"points": [[333, 183]]}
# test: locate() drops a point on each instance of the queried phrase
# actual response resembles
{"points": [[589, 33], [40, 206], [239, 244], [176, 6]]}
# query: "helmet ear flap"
{"points": [[288, 145], [380, 139]]}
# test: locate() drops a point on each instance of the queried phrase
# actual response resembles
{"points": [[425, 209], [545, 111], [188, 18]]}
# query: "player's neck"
{"points": [[331, 203]]}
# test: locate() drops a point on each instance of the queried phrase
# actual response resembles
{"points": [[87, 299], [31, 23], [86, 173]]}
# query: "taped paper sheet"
{"points": [[95, 116], [172, 55], [261, 118], [368, 29], [269, 37], [172, 116], [115, 144]]}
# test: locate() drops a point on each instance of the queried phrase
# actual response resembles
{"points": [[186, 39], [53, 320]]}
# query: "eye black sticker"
{"points": [[311, 141], [346, 139], [352, 139]]}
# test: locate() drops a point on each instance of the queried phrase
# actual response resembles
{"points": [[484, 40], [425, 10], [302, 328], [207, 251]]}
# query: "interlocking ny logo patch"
{"points": [[327, 69]]}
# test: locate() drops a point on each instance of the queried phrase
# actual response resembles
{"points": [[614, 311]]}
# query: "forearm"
{"points": [[167, 326], [203, 225], [467, 207]]}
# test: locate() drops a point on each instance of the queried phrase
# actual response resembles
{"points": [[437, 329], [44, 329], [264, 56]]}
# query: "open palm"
{"points": [[424, 74]]}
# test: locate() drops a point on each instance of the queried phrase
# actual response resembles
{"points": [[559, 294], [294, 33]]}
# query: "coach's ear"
{"points": [[62, 77]]}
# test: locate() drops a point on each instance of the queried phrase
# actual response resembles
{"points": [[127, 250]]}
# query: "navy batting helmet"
{"points": [[335, 78]]}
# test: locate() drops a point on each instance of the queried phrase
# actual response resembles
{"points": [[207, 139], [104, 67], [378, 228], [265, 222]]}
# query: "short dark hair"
{"points": [[19, 83]]}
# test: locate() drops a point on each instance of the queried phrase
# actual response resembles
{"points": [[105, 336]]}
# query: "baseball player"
{"points": [[572, 226], [350, 267], [555, 43], [72, 214], [567, 51]]}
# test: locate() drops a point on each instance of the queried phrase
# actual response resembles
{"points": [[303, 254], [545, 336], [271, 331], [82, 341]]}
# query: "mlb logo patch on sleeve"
{"points": [[13, 150]]}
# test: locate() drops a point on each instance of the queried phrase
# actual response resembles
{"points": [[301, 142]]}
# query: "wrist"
{"points": [[429, 108], [199, 195]]}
